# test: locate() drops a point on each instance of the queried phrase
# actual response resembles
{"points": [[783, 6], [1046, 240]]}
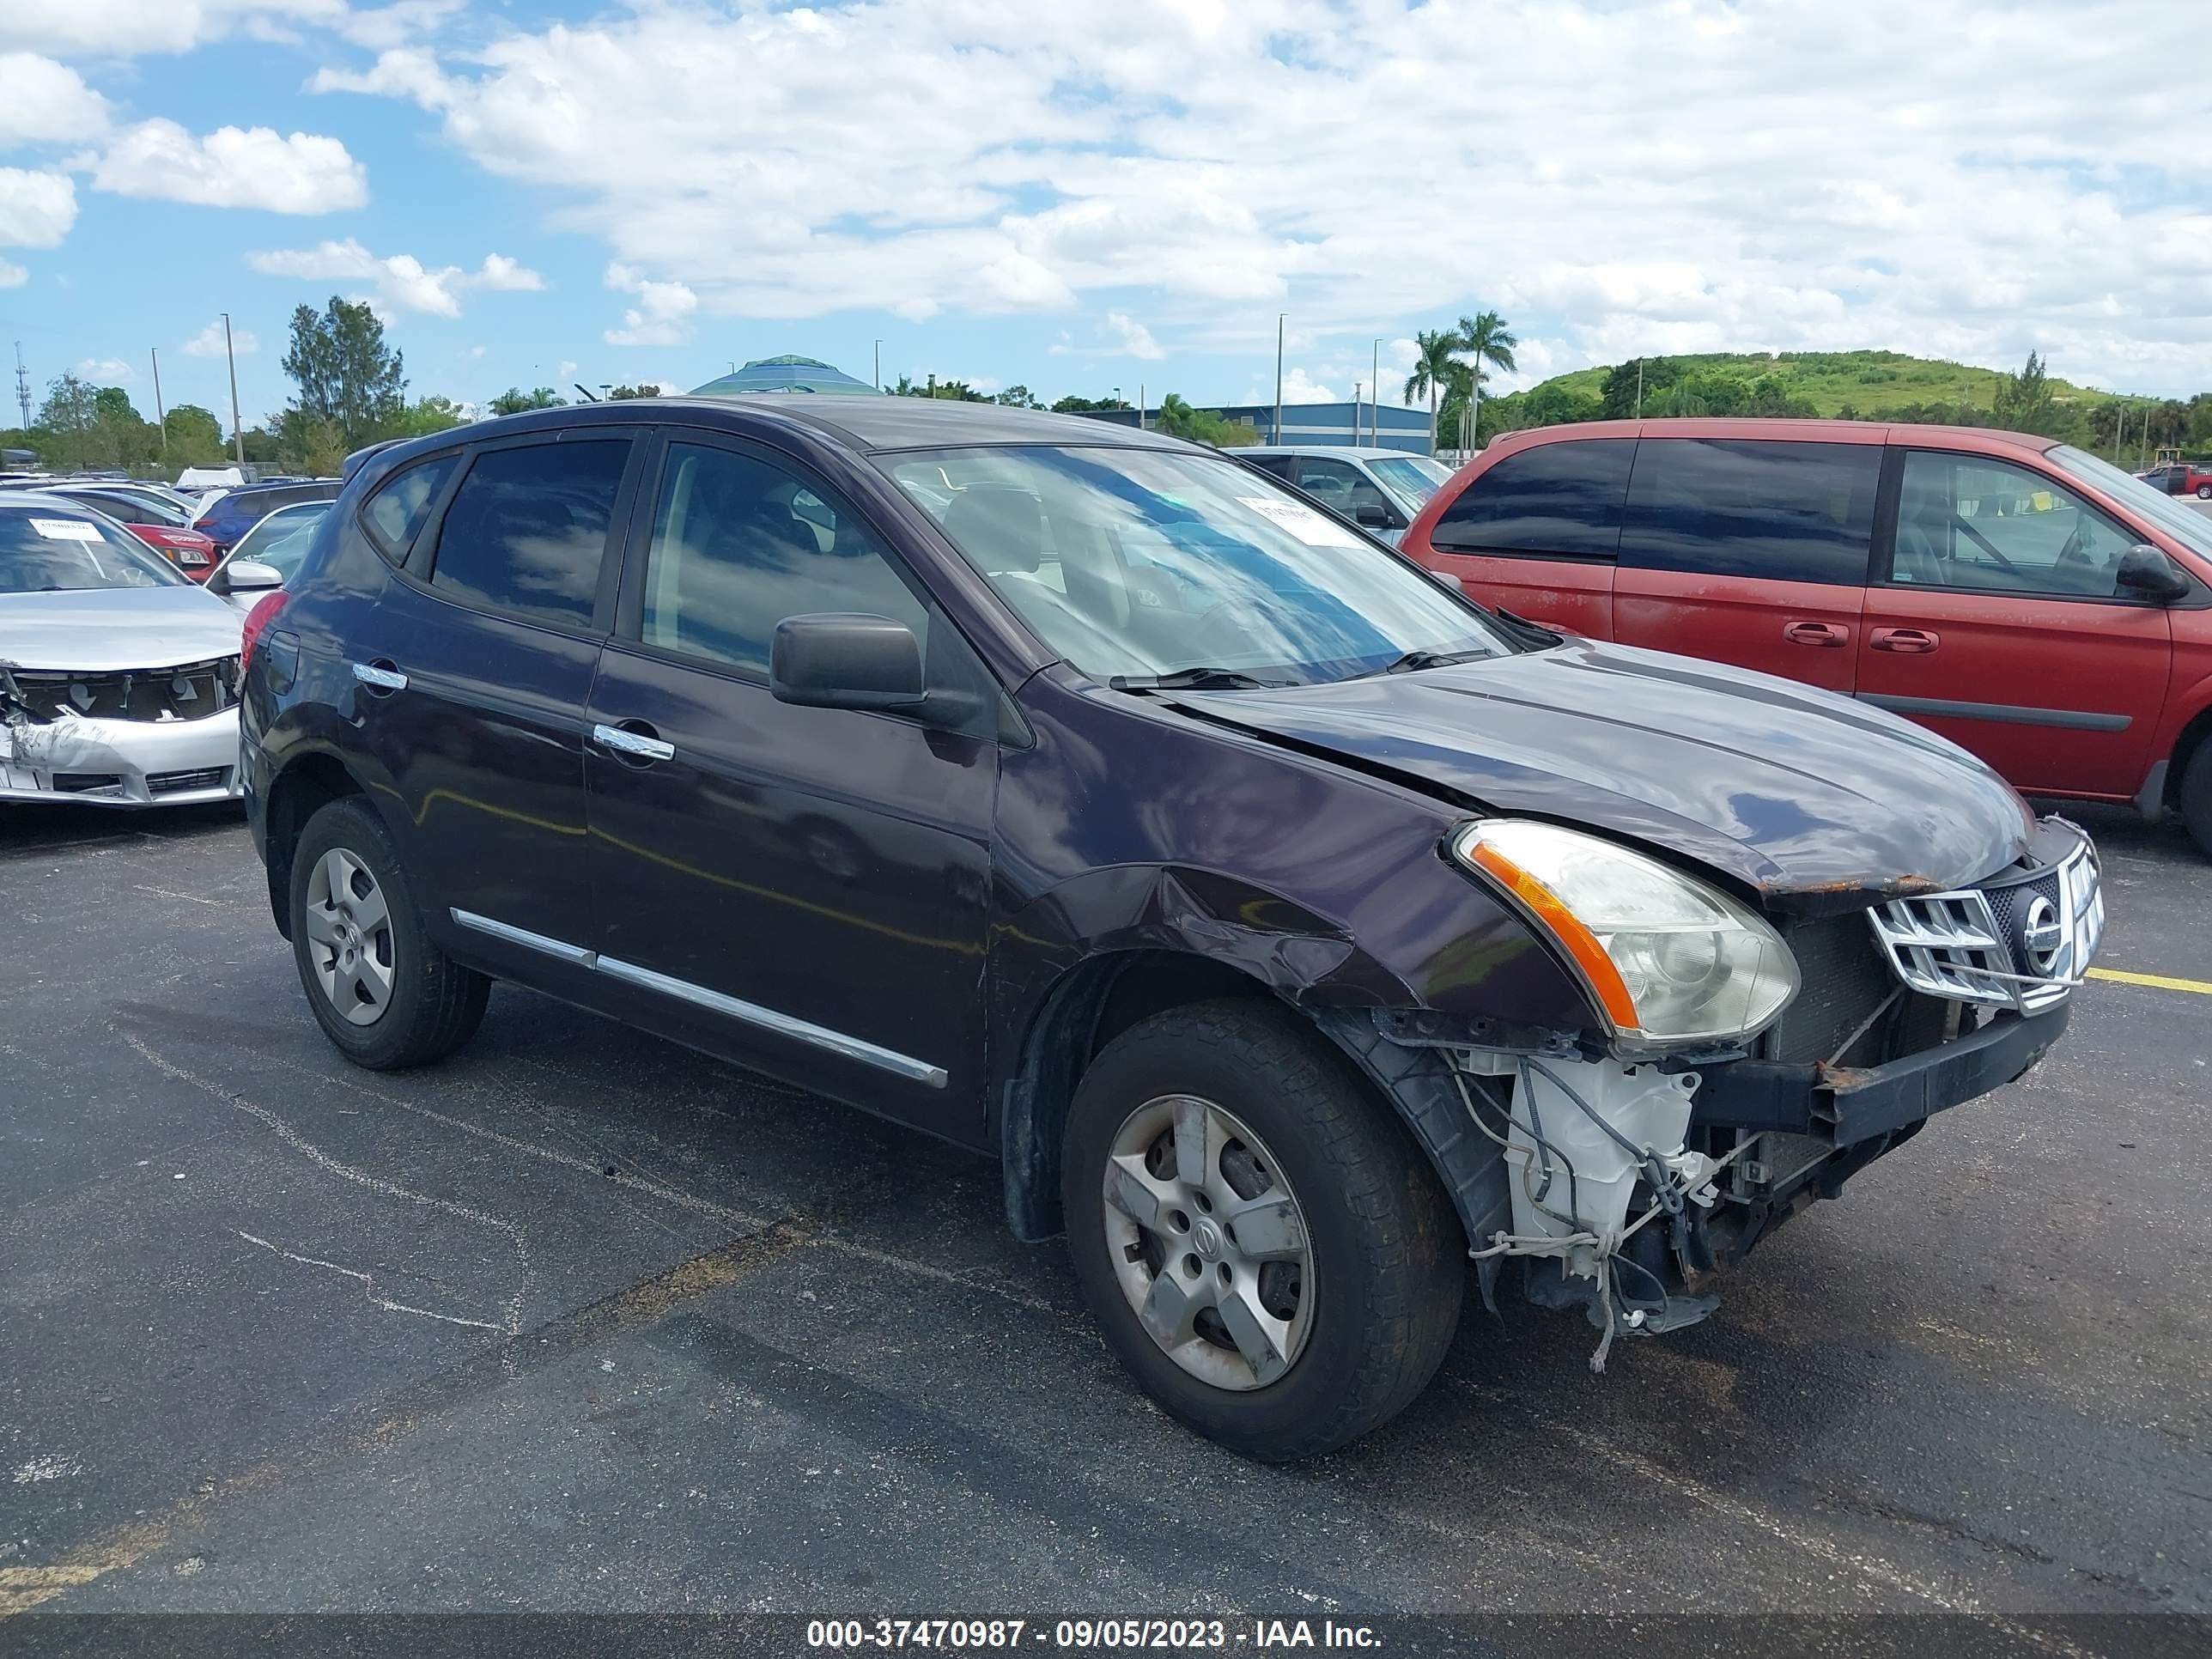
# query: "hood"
{"points": [[1816, 802], [104, 630]]}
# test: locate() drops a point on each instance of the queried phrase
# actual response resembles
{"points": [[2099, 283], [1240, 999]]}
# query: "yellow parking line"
{"points": [[2156, 981]]}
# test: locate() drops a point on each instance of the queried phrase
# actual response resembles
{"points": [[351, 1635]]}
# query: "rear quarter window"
{"points": [[393, 516], [527, 532], [1787, 511], [1560, 500]]}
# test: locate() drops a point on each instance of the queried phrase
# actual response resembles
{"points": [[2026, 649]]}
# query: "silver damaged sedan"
{"points": [[119, 677]]}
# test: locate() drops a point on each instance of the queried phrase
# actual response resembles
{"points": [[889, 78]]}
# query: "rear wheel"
{"points": [[2196, 796], [2204, 492], [381, 990], [1265, 1249]]}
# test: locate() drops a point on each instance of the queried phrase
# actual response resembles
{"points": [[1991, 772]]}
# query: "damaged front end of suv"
{"points": [[1748, 1063]]}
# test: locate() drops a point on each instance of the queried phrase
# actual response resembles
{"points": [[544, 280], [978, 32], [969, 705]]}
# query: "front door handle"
{"points": [[379, 676], [1815, 633], [634, 739], [1912, 642]]}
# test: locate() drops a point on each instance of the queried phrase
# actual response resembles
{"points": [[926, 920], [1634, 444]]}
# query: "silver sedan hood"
{"points": [[105, 630]]}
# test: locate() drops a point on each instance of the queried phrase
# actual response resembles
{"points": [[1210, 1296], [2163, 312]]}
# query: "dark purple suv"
{"points": [[1292, 929]]}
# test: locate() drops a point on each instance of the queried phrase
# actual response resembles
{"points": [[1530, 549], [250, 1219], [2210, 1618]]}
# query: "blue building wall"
{"points": [[1403, 429]]}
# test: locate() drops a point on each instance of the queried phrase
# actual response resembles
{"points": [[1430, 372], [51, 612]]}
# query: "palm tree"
{"points": [[1433, 371], [1176, 417], [1483, 338]]}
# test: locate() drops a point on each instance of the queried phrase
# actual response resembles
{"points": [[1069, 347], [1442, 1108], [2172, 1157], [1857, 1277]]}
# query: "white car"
{"points": [[278, 544], [1380, 490], [118, 678]]}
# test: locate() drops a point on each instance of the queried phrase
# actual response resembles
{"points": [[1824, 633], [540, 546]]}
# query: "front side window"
{"points": [[51, 549], [281, 540], [395, 513], [739, 544], [1974, 522], [1339, 486], [1561, 501], [1415, 478], [528, 529], [1149, 563], [1783, 512], [2192, 529]]}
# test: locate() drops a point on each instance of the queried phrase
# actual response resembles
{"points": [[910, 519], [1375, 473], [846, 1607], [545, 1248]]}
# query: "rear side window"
{"points": [[396, 512], [1560, 500], [1786, 511], [527, 529], [1280, 465]]}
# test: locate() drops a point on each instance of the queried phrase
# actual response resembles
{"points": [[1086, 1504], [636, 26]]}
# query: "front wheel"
{"points": [[2204, 492], [1265, 1249]]}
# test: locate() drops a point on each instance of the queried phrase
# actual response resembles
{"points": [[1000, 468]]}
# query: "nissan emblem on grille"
{"points": [[2020, 942]]}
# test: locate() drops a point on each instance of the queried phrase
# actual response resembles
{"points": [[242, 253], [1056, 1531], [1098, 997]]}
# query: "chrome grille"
{"points": [[2020, 942]]}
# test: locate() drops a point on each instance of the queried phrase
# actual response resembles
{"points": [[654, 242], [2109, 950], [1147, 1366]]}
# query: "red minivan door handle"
{"points": [[1813, 632], [1913, 641]]}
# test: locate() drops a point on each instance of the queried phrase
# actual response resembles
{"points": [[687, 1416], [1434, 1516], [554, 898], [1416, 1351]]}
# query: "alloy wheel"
{"points": [[1208, 1242], [350, 943]]}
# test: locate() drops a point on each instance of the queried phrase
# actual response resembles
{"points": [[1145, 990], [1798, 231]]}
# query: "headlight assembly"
{"points": [[1668, 959]]}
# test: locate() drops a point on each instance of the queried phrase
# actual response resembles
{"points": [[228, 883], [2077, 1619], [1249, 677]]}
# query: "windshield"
{"points": [[46, 549], [281, 539], [2192, 529], [1148, 563], [1416, 477]]}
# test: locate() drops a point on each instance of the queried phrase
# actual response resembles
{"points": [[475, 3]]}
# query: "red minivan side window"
{"points": [[1560, 500]]}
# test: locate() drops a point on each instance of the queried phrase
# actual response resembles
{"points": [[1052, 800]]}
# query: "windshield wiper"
{"points": [[1414, 661], [1193, 680]]}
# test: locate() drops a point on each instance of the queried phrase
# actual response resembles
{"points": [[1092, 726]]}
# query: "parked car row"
{"points": [[1290, 928]]}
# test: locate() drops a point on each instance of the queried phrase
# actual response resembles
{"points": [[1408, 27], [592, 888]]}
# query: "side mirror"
{"points": [[1447, 579], [2147, 570], [247, 576], [840, 659], [1372, 515]]}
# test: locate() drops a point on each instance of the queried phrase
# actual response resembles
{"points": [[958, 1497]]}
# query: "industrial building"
{"points": [[1405, 429]]}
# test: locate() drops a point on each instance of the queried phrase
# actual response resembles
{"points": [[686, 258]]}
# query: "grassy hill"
{"points": [[1863, 380]]}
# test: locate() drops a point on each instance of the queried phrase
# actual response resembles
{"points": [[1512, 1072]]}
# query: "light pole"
{"points": [[1375, 397], [1276, 437], [160, 416], [879, 365], [237, 432]]}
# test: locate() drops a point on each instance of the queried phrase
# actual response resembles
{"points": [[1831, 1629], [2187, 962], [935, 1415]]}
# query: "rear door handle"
{"points": [[637, 744], [1912, 642], [379, 676], [1815, 633]]}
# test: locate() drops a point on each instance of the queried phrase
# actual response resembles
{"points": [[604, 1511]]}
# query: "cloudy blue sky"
{"points": [[1078, 195]]}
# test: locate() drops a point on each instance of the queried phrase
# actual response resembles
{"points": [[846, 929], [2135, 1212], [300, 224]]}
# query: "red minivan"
{"points": [[2038, 606]]}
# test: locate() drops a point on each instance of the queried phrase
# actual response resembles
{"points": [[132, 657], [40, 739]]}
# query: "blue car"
{"points": [[240, 510]]}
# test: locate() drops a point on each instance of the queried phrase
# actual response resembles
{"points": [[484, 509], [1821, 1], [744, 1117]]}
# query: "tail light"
{"points": [[256, 620]]}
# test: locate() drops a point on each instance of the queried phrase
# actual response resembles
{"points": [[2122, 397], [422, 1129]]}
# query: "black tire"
{"points": [[435, 1005], [2196, 796], [1386, 1250], [2204, 492]]}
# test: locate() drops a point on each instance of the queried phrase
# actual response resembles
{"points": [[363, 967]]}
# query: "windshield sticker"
{"points": [[1302, 521], [66, 530]]}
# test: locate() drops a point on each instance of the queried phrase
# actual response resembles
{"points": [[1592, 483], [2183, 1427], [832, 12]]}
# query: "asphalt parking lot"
{"points": [[578, 1321]]}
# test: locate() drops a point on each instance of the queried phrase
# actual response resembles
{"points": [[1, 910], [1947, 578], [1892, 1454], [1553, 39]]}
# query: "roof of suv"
{"points": [[866, 423]]}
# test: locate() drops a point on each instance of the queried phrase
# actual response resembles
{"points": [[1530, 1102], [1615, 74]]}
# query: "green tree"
{"points": [[1176, 417], [1654, 374], [1432, 368], [954, 390], [195, 436], [514, 400], [1483, 341], [1073, 404], [70, 419], [2024, 401], [428, 414], [1018, 397], [347, 381], [623, 392]]}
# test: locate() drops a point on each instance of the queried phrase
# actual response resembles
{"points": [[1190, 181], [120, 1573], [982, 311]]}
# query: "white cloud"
{"points": [[36, 209], [46, 102], [233, 167], [1137, 340], [1299, 387], [1759, 175], [390, 26], [106, 371], [13, 275], [399, 282], [661, 315], [475, 351], [208, 343], [122, 27]]}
